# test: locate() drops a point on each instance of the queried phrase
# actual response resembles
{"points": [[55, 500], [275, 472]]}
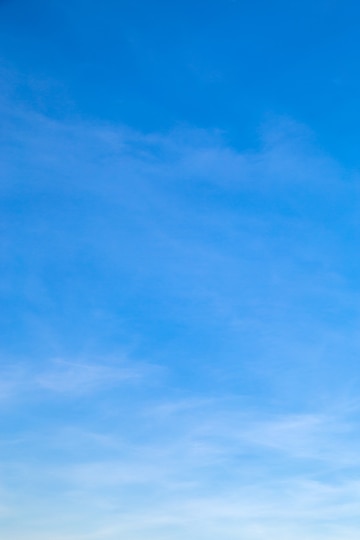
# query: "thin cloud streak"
{"points": [[63, 377]]}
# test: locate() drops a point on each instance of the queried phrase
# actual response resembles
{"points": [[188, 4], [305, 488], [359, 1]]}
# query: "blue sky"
{"points": [[179, 274]]}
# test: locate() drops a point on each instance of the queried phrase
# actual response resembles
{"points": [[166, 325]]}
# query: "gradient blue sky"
{"points": [[179, 283]]}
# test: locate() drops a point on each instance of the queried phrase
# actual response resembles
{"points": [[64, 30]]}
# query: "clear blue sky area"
{"points": [[179, 271]]}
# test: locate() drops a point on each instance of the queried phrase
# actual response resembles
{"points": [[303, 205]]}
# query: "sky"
{"points": [[179, 271]]}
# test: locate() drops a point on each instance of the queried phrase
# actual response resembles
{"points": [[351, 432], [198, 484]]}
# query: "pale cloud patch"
{"points": [[78, 377], [25, 380], [167, 489]]}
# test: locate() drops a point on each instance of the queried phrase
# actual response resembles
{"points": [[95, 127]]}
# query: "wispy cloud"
{"points": [[25, 380], [82, 377], [169, 488], [225, 267]]}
